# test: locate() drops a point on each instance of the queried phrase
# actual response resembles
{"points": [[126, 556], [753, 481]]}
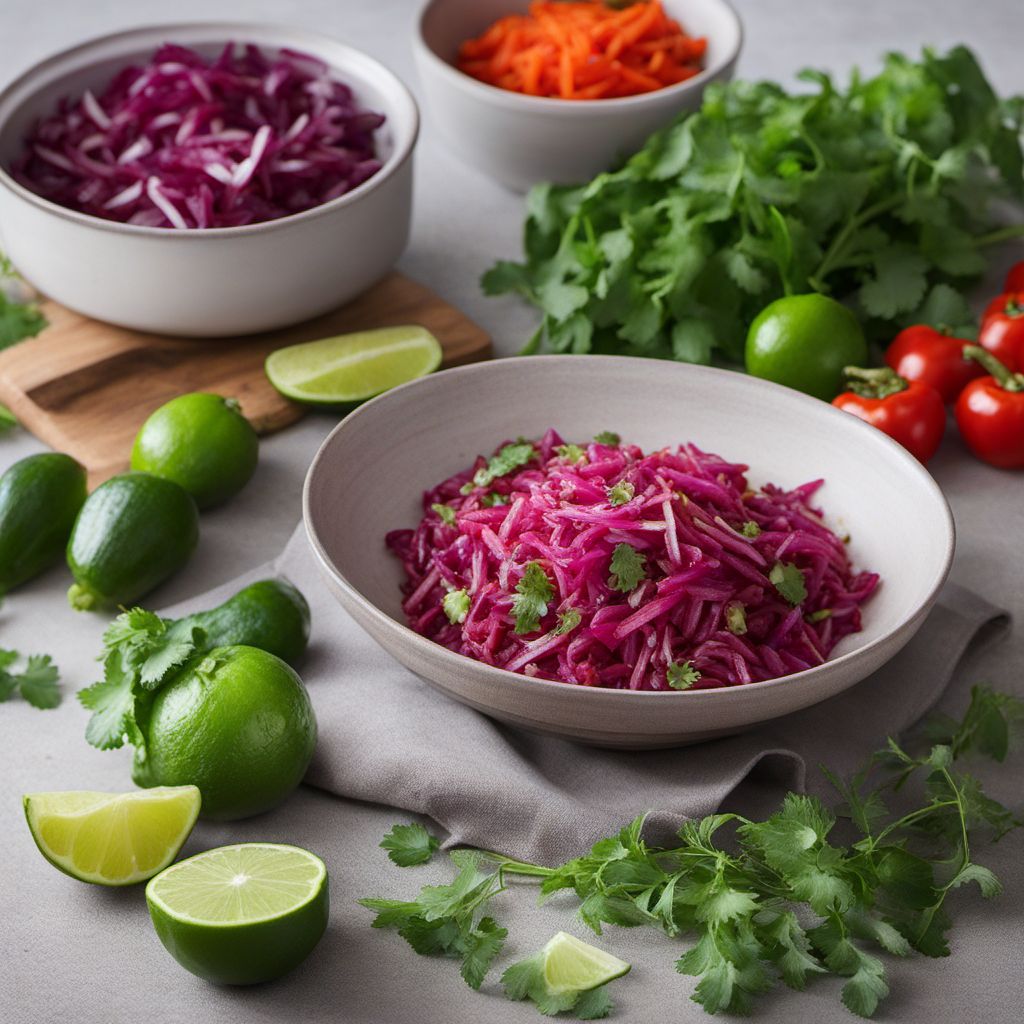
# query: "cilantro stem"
{"points": [[518, 867], [1006, 234], [835, 250]]}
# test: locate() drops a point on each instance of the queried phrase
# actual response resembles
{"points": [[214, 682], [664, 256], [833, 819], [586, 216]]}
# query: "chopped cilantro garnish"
{"points": [[681, 675], [571, 453], [493, 500], [750, 529], [627, 568], [533, 592], [820, 615], [568, 621], [456, 606], [736, 618], [446, 512], [622, 492], [608, 437], [408, 845], [511, 457], [789, 581], [37, 682]]}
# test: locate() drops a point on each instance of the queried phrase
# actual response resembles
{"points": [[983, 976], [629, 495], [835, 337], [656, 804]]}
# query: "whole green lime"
{"points": [[239, 725], [804, 341], [203, 443]]}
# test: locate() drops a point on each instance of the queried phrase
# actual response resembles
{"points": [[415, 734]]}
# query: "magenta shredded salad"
{"points": [[190, 142], [601, 565]]}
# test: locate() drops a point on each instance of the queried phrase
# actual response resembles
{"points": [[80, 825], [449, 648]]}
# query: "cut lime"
{"points": [[571, 965], [239, 915], [353, 367], [112, 838]]}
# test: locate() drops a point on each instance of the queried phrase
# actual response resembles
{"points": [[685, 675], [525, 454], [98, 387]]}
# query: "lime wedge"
{"points": [[112, 838], [571, 965], [353, 367], [239, 915]]}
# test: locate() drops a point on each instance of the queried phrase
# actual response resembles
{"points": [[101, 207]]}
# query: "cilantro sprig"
{"points": [[37, 682], [533, 594], [627, 568], [18, 320], [808, 892], [760, 194]]}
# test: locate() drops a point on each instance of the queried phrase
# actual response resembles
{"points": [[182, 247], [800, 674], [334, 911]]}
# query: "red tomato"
{"points": [[925, 354], [910, 412], [1002, 329], [990, 415], [1015, 278]]}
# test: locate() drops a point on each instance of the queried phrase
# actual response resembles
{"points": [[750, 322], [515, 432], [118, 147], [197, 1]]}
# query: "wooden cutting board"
{"points": [[85, 387]]}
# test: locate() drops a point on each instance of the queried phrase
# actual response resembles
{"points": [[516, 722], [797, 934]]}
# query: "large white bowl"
{"points": [[219, 281], [369, 475], [521, 140]]}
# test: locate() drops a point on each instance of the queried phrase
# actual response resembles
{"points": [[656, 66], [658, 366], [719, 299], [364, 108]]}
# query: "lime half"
{"points": [[353, 367], [571, 965], [112, 838], [239, 915]]}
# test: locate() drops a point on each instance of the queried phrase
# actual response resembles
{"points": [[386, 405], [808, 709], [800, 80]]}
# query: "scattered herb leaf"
{"points": [[608, 437], [533, 592], [627, 568], [409, 844], [571, 453], [511, 457], [620, 493], [789, 581], [446, 512], [681, 675], [456, 606], [37, 682]]}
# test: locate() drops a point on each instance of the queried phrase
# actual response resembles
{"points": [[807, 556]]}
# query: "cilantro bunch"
{"points": [[877, 194], [808, 892]]}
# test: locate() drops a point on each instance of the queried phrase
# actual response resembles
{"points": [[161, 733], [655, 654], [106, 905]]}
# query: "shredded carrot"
{"points": [[583, 50]]}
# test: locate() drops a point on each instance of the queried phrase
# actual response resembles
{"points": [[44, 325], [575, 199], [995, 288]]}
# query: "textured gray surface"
{"points": [[77, 953]]}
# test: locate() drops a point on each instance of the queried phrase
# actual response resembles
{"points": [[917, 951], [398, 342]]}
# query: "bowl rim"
{"points": [[561, 107], [224, 31], [429, 649]]}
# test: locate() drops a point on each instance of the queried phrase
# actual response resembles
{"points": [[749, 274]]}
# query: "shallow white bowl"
{"points": [[220, 281], [521, 140], [369, 475]]}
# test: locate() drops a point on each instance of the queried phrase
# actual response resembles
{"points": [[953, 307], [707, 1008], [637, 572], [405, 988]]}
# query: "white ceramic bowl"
{"points": [[219, 281], [369, 475], [521, 140]]}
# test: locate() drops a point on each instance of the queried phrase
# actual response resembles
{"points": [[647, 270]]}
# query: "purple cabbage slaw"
{"points": [[187, 142], [705, 605]]}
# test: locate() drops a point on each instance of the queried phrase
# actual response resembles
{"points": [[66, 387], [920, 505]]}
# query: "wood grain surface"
{"points": [[85, 387]]}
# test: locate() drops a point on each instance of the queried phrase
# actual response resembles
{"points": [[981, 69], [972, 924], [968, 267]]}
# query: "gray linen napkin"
{"points": [[387, 737]]}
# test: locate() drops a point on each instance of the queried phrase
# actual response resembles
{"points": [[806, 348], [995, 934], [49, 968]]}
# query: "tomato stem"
{"points": [[1004, 377], [880, 382]]}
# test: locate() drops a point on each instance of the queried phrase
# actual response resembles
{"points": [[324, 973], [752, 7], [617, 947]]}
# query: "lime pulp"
{"points": [[571, 965]]}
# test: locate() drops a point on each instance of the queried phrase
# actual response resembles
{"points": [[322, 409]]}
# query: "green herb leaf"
{"points": [[446, 512], [789, 581], [681, 675], [627, 568], [18, 321], [7, 419], [568, 621], [409, 844], [571, 453], [608, 437], [736, 618], [620, 493], [533, 594], [509, 458], [456, 606], [750, 529], [37, 683]]}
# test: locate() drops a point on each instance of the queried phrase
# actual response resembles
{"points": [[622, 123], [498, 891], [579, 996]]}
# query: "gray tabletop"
{"points": [[77, 953]]}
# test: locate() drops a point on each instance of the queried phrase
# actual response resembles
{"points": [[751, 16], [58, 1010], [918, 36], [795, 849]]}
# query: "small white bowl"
{"points": [[521, 140], [370, 474], [217, 281]]}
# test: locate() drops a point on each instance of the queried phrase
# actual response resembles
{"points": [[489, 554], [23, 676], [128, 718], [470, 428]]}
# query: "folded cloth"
{"points": [[387, 737]]}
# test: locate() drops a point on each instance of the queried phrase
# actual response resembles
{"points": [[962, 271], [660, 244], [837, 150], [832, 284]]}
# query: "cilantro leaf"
{"points": [[568, 621], [18, 321], [736, 618], [608, 437], [37, 682], [627, 568], [682, 675], [177, 644], [533, 593], [571, 453], [620, 493], [750, 529], [789, 581], [509, 458], [409, 844], [112, 703], [479, 949], [7, 419], [446, 512], [456, 605]]}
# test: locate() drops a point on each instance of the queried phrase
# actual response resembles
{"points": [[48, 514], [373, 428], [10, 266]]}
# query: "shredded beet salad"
{"points": [[189, 142], [601, 565]]}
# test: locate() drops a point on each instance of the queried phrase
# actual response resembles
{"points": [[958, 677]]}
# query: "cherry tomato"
{"points": [[1002, 329], [925, 354], [990, 413], [909, 411], [1015, 278]]}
